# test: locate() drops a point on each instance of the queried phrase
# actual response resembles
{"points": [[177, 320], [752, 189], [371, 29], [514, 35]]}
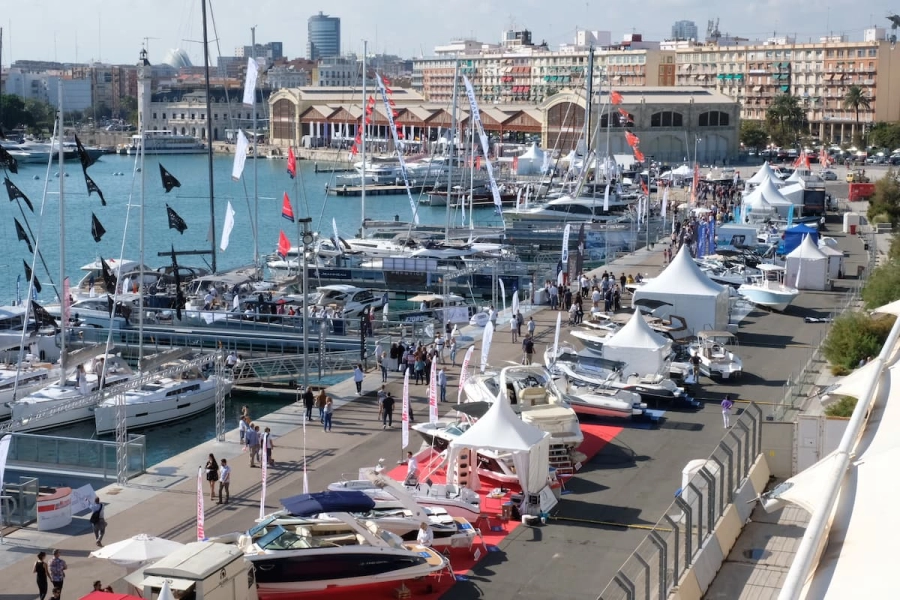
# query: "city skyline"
{"points": [[114, 34]]}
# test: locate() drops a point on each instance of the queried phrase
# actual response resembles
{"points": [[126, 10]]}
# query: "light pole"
{"points": [[307, 239]]}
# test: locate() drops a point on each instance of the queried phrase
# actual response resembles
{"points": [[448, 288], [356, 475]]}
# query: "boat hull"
{"points": [[771, 299], [22, 410]]}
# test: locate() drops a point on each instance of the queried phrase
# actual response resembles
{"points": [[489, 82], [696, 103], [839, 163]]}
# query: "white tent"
{"points": [[643, 350], [835, 258], [768, 192], [683, 171], [761, 175], [502, 430], [691, 293], [531, 161], [806, 267], [793, 193], [797, 175]]}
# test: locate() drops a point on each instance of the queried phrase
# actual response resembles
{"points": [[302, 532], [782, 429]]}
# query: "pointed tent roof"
{"points": [[683, 171], [500, 429], [770, 192], [796, 176], [760, 176], [757, 203], [533, 153], [637, 333], [683, 277], [807, 250]]}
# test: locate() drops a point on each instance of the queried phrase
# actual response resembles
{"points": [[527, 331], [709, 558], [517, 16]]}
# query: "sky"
{"points": [[115, 30]]}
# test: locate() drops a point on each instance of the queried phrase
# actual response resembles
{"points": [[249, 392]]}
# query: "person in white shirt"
{"points": [[412, 469], [224, 482], [425, 536]]}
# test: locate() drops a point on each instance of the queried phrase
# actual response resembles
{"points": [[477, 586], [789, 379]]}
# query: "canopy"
{"points": [[500, 429], [531, 162], [304, 505], [643, 350], [764, 172], [794, 236], [807, 250], [770, 193], [137, 550], [109, 596], [793, 193], [637, 333], [806, 267], [683, 171]]}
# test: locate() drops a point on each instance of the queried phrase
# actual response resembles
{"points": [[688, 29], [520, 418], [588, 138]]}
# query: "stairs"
{"points": [[561, 461]]}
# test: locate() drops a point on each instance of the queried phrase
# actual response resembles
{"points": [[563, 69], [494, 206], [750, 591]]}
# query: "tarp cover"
{"points": [[325, 502]]}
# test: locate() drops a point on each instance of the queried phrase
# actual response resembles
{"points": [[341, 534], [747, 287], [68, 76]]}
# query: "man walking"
{"points": [[727, 404], [98, 523], [224, 482], [57, 571], [531, 326], [527, 349], [252, 438], [308, 402], [442, 384], [388, 406], [514, 329]]}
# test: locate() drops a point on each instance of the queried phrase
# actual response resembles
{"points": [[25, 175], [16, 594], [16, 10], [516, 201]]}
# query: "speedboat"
{"points": [[60, 395], [716, 360], [352, 301], [337, 553], [769, 289], [534, 396], [95, 312], [591, 340], [161, 401]]}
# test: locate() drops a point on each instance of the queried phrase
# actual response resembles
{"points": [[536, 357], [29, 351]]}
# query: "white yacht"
{"points": [[93, 275], [161, 401], [166, 142], [94, 312], [351, 300], [31, 377], [769, 289], [716, 360], [567, 208]]}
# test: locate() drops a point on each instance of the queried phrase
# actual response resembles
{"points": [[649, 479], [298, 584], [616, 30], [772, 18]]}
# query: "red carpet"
{"points": [[462, 561]]}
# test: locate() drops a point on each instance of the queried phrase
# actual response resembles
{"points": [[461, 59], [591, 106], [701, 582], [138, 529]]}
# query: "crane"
{"points": [[147, 43]]}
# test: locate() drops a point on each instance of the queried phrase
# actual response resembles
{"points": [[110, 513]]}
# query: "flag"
{"points": [[175, 222], [432, 395], [579, 258], [263, 467], [291, 163], [627, 119], [340, 247], [404, 414], [201, 533], [97, 229], [21, 235], [644, 188], [695, 183], [227, 227], [14, 192], [564, 257], [28, 276], [92, 187], [615, 97], [665, 202], [515, 164], [556, 336], [7, 159], [168, 180], [109, 280], [486, 339], [179, 295], [464, 372], [638, 155], [250, 81], [240, 155], [41, 316], [606, 199], [287, 211], [284, 246], [632, 139], [18, 291], [83, 155], [4, 452]]}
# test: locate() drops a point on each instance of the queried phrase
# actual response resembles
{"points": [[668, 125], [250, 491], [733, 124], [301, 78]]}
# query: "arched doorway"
{"points": [[565, 126], [712, 147], [283, 120]]}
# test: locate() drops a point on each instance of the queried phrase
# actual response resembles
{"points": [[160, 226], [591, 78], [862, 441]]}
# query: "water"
{"points": [[191, 202]]}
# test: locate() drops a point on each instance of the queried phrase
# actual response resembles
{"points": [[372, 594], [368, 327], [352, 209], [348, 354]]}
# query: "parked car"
{"points": [[828, 175]]}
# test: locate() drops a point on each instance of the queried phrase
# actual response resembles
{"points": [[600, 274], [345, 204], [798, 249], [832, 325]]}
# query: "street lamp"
{"points": [[307, 240]]}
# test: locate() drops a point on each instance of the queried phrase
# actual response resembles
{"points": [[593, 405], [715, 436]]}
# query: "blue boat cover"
{"points": [[305, 505]]}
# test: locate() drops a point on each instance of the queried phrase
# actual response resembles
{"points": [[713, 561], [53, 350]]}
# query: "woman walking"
{"points": [[358, 376], [41, 574], [212, 475], [329, 410]]}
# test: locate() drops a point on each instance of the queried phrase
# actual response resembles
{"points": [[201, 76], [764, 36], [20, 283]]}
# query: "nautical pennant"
{"points": [[168, 180], [632, 139], [638, 155], [175, 222], [14, 192], [92, 187], [97, 229], [109, 280], [284, 246], [286, 210], [7, 159], [21, 235], [615, 97], [41, 316], [83, 155], [179, 295], [227, 226], [28, 274], [291, 163]]}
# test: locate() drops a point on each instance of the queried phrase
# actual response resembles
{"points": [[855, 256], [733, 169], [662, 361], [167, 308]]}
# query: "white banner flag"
{"points": [[556, 337], [515, 302], [227, 227], [485, 146], [565, 247], [404, 414], [389, 112], [4, 452], [606, 199], [464, 373], [486, 344], [201, 533], [665, 202], [502, 292], [432, 395], [305, 478], [263, 467], [250, 82], [241, 145]]}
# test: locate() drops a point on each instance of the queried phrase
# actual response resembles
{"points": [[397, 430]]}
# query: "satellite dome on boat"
{"points": [[177, 58]]}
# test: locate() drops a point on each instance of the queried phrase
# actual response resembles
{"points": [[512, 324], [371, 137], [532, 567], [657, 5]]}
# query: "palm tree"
{"points": [[856, 98], [787, 114]]}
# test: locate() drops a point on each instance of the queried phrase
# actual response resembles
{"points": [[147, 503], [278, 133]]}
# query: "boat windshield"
{"points": [[261, 526], [282, 539]]}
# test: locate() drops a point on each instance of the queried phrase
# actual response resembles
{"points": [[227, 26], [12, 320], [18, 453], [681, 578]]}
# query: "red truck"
{"points": [[861, 191]]}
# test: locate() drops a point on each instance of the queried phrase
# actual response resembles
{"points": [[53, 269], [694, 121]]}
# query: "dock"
{"points": [[610, 502]]}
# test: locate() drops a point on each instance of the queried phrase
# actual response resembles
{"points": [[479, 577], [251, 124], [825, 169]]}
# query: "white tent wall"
{"points": [[643, 350], [735, 234], [643, 361], [530, 162], [806, 267], [794, 193], [835, 261], [760, 176]]}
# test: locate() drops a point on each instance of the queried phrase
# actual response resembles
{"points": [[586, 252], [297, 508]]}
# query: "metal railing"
{"points": [[281, 369], [89, 458], [664, 556]]}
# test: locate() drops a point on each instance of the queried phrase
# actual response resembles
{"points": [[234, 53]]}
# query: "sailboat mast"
{"points": [[590, 97], [362, 137], [143, 128], [209, 140], [255, 161], [62, 240], [453, 154]]}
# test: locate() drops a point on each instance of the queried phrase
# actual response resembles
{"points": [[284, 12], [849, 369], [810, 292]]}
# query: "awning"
{"points": [[785, 88], [757, 88]]}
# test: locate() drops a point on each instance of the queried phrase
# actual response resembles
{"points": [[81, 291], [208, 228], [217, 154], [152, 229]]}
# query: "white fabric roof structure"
{"points": [[770, 192], [793, 193], [531, 161], [642, 350], [502, 430], [636, 333], [807, 250], [682, 276], [683, 171], [806, 267], [761, 175]]}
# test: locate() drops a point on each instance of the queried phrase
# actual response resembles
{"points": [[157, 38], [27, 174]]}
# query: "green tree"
{"points": [[15, 113], [753, 135], [885, 135], [854, 99], [42, 112], [785, 119], [128, 109], [855, 336], [883, 286], [886, 201]]}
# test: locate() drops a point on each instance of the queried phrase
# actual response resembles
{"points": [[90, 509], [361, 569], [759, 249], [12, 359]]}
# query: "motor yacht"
{"points": [[350, 300], [165, 142], [769, 289], [593, 339], [716, 360], [93, 277], [571, 209]]}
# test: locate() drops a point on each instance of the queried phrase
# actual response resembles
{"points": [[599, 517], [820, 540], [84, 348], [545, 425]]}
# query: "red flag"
{"points": [[615, 97], [353, 150], [368, 120], [385, 80], [391, 103], [388, 90], [632, 139], [627, 117], [370, 101], [286, 210], [478, 162], [291, 163], [399, 134], [515, 163], [396, 113], [284, 245], [644, 188], [638, 155]]}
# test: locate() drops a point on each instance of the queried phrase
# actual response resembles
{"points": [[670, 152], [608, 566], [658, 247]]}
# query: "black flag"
{"points": [[14, 192], [109, 280], [83, 156], [175, 222], [168, 180], [92, 187], [6, 159], [37, 284], [41, 316], [20, 233], [179, 295], [97, 230]]}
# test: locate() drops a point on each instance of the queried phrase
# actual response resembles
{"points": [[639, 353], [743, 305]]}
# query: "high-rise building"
{"points": [[684, 30], [323, 37], [271, 51]]}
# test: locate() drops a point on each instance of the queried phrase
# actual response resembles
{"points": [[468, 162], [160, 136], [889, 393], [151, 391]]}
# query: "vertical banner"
{"points": [[4, 452], [389, 112], [305, 478], [250, 82], [464, 373], [432, 395], [227, 227], [564, 255], [503, 291], [404, 415], [67, 303], [515, 302], [556, 337], [476, 118], [486, 344], [240, 155], [606, 199], [665, 202], [264, 469], [201, 533]]}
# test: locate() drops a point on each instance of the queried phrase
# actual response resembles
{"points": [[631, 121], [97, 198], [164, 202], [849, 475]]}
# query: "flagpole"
{"points": [[143, 127], [453, 126], [255, 161], [62, 238], [209, 140], [362, 194]]}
